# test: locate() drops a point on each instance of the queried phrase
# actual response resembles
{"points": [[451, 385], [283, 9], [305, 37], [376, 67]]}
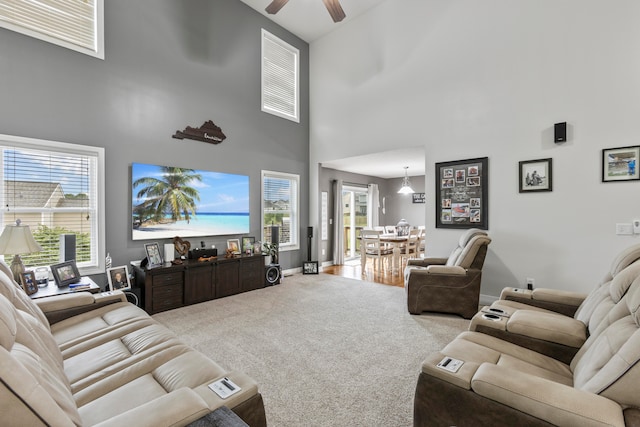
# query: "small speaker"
{"points": [[67, 247], [310, 232], [560, 132], [134, 296], [275, 234], [272, 274]]}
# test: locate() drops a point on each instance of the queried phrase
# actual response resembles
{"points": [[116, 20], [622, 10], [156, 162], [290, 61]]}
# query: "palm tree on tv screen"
{"points": [[170, 194]]}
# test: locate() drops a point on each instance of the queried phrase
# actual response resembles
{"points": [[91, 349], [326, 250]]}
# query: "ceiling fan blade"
{"points": [[335, 10], [275, 6]]}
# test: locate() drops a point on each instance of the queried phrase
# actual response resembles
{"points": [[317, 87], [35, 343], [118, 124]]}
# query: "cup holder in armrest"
{"points": [[496, 310], [490, 316]]}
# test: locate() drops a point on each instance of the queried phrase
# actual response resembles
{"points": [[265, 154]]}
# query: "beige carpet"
{"points": [[325, 350]]}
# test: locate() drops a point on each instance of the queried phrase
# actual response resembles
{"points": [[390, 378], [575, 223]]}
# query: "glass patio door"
{"points": [[354, 206]]}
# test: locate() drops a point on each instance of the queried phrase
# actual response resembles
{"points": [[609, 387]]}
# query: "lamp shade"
{"points": [[17, 239]]}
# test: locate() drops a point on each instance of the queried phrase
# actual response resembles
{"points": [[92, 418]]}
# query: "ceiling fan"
{"points": [[333, 6]]}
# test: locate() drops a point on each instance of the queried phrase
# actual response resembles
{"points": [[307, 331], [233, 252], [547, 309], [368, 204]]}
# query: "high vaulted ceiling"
{"points": [[309, 19]]}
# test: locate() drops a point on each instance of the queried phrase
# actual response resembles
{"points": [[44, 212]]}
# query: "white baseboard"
{"points": [[487, 299]]}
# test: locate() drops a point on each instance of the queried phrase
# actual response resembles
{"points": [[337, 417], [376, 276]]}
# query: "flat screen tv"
{"points": [[170, 201]]}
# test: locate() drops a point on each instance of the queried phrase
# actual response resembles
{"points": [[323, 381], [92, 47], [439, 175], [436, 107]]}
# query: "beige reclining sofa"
{"points": [[479, 379], [552, 333], [84, 360]]}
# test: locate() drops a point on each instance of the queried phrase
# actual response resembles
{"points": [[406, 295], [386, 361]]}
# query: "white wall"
{"points": [[471, 78]]}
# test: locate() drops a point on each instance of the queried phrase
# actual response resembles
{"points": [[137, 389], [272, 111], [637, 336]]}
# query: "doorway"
{"points": [[354, 207]]}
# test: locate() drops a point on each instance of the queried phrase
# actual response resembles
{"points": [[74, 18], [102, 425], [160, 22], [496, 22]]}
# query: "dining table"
{"points": [[394, 240]]}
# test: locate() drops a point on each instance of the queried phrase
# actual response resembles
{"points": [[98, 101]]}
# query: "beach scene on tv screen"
{"points": [[171, 201]]}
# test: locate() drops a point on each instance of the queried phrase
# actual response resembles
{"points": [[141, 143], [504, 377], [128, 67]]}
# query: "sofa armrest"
{"points": [[426, 262], [180, 407], [60, 307], [443, 269], [548, 327], [563, 302], [555, 403]]}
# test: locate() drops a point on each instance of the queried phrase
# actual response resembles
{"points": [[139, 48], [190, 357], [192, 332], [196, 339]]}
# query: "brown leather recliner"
{"points": [[448, 285]]}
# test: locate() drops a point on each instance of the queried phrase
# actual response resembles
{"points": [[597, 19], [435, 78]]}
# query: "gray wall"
{"points": [[168, 64]]}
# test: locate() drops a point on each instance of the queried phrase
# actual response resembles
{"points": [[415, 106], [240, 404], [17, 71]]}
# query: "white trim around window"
{"points": [[280, 78], [56, 186], [281, 200], [74, 24]]}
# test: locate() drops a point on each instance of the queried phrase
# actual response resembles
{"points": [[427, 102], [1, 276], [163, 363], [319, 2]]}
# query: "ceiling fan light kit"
{"points": [[333, 7]]}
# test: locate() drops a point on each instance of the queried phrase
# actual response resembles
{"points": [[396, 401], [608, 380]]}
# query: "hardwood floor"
{"points": [[354, 271]]}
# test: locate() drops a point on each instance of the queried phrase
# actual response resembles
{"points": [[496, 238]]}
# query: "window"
{"points": [[280, 89], [55, 188], [280, 207], [74, 24]]}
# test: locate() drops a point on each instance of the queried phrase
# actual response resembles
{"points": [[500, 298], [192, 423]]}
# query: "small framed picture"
{"points": [[234, 245], [65, 273], [154, 258], [536, 175], [29, 282], [620, 164], [247, 244], [310, 267], [118, 278]]}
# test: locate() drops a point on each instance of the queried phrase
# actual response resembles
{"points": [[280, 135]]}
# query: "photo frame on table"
{"points": [[234, 246], [462, 194], [29, 283], [535, 175], [620, 164], [154, 257], [118, 278], [65, 273], [248, 244], [310, 267]]}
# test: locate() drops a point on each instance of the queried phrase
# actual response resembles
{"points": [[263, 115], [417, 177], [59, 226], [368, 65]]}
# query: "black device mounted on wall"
{"points": [[560, 132]]}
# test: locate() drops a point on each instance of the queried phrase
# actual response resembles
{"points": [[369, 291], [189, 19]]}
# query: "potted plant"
{"points": [[271, 249]]}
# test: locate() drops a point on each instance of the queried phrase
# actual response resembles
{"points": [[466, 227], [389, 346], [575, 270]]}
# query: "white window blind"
{"points": [[74, 24], [280, 88], [55, 191], [280, 194]]}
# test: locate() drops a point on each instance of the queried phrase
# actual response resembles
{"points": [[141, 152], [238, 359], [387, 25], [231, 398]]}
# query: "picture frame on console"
{"points": [[65, 273], [29, 282], [118, 278], [234, 246], [154, 258], [535, 175], [620, 164], [248, 244]]}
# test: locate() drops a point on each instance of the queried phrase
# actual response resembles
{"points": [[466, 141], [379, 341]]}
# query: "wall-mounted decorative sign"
{"points": [[208, 132], [418, 197], [462, 193]]}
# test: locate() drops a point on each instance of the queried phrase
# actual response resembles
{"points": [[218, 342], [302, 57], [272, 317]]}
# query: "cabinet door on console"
{"points": [[200, 283], [227, 278], [252, 274]]}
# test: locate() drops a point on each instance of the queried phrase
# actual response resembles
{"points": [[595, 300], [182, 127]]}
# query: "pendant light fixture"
{"points": [[406, 185]]}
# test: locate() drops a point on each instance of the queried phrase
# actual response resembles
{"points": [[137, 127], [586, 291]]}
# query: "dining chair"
{"points": [[374, 248], [422, 245], [411, 248], [390, 229]]}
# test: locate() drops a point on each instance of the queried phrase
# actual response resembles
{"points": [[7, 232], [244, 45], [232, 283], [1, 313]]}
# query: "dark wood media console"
{"points": [[173, 286]]}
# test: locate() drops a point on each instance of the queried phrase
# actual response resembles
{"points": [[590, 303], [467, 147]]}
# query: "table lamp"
{"points": [[17, 239]]}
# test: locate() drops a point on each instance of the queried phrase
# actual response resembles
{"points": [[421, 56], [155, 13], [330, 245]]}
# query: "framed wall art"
{"points": [[620, 164], [462, 194], [154, 259], [535, 175]]}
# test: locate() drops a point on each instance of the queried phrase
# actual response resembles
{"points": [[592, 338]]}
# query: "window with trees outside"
{"points": [[280, 194], [55, 188]]}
